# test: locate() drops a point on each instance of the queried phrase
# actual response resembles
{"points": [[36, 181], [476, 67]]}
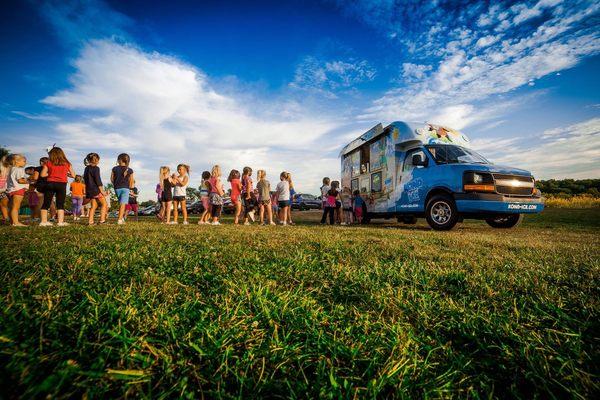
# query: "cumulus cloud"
{"points": [[164, 111]]}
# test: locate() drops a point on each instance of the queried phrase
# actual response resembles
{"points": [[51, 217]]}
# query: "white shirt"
{"points": [[283, 191], [16, 173], [180, 190], [324, 190]]}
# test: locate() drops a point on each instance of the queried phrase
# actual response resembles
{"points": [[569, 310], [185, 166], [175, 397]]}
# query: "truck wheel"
{"points": [[441, 213], [505, 221]]}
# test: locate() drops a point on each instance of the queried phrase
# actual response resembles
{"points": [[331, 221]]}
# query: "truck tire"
{"points": [[441, 213], [505, 221]]}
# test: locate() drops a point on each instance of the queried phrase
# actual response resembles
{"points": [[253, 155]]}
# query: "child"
{"points": [[275, 205], [122, 180], [32, 198], [159, 192], [283, 197], [247, 191], [333, 196], [358, 203], [4, 171], [40, 184], [56, 171], [347, 206], [94, 190], [16, 186], [180, 191], [338, 203], [132, 206], [324, 189], [77, 194], [236, 190], [292, 194], [264, 196], [204, 193], [216, 194], [167, 182]]}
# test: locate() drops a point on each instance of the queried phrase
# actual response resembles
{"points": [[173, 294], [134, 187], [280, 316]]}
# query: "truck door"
{"points": [[413, 181]]}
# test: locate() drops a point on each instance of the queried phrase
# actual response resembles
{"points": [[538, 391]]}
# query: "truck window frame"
{"points": [[408, 158]]}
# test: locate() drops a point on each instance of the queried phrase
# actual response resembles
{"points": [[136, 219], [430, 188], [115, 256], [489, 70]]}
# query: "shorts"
{"points": [[122, 195], [33, 199], [358, 212], [20, 192], [205, 202], [283, 203], [166, 196], [349, 209], [265, 202], [132, 207], [179, 198], [338, 204], [40, 187]]}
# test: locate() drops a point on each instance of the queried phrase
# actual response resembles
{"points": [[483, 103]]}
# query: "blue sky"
{"points": [[284, 85]]}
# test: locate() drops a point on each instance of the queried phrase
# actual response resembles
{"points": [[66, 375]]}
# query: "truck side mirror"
{"points": [[418, 161]]}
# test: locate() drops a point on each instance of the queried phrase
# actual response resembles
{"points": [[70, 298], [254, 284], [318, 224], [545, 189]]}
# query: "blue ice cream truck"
{"points": [[409, 171]]}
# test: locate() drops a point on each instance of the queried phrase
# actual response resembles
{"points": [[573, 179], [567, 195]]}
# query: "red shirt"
{"points": [[235, 189], [57, 173]]}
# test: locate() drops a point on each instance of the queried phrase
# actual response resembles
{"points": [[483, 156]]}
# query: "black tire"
{"points": [[505, 221], [441, 212]]}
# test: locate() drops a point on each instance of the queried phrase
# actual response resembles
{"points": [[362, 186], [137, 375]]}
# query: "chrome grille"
{"points": [[517, 185]]}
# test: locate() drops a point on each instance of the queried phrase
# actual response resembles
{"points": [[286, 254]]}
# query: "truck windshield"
{"points": [[450, 154]]}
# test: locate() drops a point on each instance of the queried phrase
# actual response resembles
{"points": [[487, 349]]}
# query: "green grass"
{"points": [[148, 310]]}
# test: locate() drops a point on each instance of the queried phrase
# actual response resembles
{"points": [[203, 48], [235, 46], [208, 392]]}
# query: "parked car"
{"points": [[195, 207], [150, 210], [303, 201]]}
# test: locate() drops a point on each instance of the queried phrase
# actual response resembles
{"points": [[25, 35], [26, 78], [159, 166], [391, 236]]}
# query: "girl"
{"points": [[333, 196], [216, 194], [247, 191], [338, 203], [16, 186], [283, 197], [324, 189], [159, 191], [264, 196], [32, 198], [4, 171], [347, 206], [204, 193], [236, 190], [40, 183], [358, 202], [167, 182], [94, 190], [133, 203], [181, 184], [56, 170], [292, 194], [77, 193], [122, 180]]}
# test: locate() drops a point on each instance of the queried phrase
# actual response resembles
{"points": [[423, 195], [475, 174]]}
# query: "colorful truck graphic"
{"points": [[410, 171]]}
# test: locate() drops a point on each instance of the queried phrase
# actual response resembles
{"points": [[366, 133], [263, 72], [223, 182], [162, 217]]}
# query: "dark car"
{"points": [[304, 201], [195, 207]]}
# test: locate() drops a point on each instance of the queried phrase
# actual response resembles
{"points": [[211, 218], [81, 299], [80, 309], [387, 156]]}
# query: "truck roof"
{"points": [[410, 134]]}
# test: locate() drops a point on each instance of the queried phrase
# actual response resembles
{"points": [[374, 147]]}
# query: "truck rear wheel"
{"points": [[505, 221], [441, 213]]}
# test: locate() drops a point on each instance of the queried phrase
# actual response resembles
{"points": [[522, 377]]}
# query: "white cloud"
{"points": [[414, 72], [330, 75], [36, 117], [163, 111], [564, 152]]}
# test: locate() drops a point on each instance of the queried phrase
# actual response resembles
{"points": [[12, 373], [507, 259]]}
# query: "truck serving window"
{"points": [[450, 154]]}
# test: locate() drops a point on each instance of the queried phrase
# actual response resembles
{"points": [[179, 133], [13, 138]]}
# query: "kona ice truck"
{"points": [[408, 171]]}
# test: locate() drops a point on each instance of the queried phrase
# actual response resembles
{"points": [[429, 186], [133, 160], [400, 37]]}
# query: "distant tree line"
{"points": [[570, 187]]}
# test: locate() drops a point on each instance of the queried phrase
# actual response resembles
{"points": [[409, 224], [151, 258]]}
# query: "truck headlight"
{"points": [[478, 182]]}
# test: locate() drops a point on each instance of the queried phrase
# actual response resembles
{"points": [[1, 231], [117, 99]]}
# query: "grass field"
{"points": [[147, 310]]}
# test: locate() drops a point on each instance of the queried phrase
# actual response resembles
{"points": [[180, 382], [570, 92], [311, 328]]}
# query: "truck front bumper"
{"points": [[483, 203]]}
